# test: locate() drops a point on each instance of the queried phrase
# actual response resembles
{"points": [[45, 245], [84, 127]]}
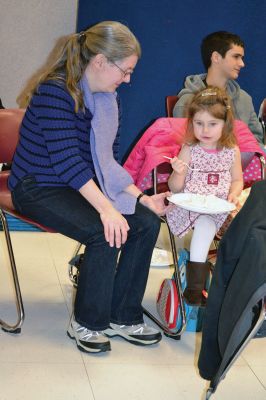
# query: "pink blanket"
{"points": [[165, 137]]}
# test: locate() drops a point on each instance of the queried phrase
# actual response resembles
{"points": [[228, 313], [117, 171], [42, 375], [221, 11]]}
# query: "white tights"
{"points": [[203, 235]]}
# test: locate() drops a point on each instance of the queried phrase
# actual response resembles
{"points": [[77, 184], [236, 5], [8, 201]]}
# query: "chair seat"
{"points": [[10, 121], [7, 206], [5, 198]]}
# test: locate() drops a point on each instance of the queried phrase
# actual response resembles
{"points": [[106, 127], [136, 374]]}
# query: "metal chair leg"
{"points": [[171, 333], [178, 282], [73, 271], [16, 328]]}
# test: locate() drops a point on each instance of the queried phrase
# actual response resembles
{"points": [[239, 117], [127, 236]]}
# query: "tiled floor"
{"points": [[43, 363]]}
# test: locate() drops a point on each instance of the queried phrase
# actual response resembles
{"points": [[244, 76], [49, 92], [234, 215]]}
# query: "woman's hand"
{"points": [[115, 227], [156, 203]]}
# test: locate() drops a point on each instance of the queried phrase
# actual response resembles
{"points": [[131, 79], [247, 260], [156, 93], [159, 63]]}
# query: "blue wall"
{"points": [[170, 33]]}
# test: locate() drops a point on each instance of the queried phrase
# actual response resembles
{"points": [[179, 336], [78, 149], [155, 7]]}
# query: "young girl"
{"points": [[208, 163]]}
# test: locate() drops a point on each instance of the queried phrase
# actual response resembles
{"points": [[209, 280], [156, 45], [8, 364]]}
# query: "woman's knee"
{"points": [[150, 221]]}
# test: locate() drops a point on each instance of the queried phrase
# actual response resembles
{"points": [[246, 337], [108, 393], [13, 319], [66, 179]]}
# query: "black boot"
{"points": [[197, 274]]}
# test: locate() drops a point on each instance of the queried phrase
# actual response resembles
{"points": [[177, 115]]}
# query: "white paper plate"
{"points": [[161, 258], [201, 203]]}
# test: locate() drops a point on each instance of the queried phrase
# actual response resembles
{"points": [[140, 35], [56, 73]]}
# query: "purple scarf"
{"points": [[112, 177]]}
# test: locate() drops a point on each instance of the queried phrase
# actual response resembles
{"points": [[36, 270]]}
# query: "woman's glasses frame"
{"points": [[124, 73]]}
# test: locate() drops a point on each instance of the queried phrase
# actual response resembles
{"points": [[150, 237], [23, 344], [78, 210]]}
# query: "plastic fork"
{"points": [[192, 169]]}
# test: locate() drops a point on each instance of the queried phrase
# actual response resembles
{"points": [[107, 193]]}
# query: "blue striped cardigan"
{"points": [[54, 144]]}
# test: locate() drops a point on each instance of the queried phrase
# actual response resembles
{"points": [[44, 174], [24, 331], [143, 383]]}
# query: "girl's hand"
{"points": [[156, 203], [178, 165], [115, 227], [233, 198]]}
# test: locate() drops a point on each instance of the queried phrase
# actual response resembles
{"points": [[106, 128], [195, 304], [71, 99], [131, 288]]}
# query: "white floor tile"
{"points": [[43, 337], [45, 364], [132, 382], [27, 381], [35, 267], [61, 246], [255, 352], [240, 383], [260, 372]]}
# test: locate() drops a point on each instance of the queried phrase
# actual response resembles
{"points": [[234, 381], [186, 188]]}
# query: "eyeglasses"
{"points": [[124, 73]]}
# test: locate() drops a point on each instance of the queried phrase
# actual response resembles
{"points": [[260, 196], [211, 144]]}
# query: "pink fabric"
{"points": [[165, 137]]}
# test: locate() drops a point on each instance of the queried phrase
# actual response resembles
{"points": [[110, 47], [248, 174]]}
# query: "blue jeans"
{"points": [[109, 290]]}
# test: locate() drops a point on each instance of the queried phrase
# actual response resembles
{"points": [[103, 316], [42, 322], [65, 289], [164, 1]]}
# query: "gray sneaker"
{"points": [[140, 334], [87, 340]]}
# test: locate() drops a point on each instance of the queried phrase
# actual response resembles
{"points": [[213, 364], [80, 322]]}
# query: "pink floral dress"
{"points": [[213, 177]]}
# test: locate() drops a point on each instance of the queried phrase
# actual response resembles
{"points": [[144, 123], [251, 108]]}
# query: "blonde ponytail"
{"points": [[112, 39]]}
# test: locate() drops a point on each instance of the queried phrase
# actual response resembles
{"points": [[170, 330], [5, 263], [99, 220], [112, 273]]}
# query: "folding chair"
{"points": [[232, 352], [165, 169], [170, 102], [10, 121], [262, 117], [236, 306]]}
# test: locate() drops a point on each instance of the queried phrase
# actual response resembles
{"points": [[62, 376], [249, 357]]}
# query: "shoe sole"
{"points": [[139, 342], [102, 347], [202, 304]]}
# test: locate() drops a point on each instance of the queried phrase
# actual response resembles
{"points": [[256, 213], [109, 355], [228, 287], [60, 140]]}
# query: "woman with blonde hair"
{"points": [[65, 175]]}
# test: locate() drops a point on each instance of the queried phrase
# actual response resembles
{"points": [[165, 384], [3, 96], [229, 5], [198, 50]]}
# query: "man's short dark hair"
{"points": [[218, 41]]}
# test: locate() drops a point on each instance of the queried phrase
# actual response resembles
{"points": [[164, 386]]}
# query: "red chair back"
{"points": [[5, 196], [170, 103], [10, 121]]}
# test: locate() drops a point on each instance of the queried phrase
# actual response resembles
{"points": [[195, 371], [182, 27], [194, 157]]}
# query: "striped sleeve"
{"points": [[54, 108]]}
